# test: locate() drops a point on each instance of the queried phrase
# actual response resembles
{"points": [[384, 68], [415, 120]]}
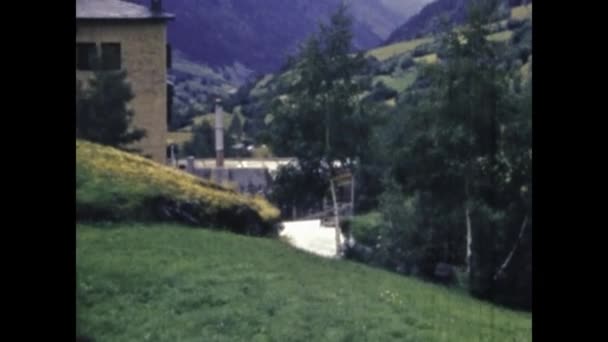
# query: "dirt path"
{"points": [[310, 236]]}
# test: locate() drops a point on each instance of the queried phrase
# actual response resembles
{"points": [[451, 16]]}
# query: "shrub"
{"points": [[407, 63], [381, 92], [372, 65], [364, 229], [386, 68], [513, 24], [524, 54], [365, 82], [102, 112], [523, 34], [421, 50]]}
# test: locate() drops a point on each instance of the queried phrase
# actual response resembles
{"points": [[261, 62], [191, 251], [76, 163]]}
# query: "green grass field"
{"points": [[501, 36], [431, 58], [167, 283], [385, 52], [398, 82], [521, 12]]}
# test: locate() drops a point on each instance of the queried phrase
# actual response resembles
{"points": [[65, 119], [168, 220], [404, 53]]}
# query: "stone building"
{"points": [[131, 37]]}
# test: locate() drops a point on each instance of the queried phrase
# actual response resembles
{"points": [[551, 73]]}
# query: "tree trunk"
{"points": [[510, 256], [336, 214], [352, 195], [467, 214], [469, 239]]}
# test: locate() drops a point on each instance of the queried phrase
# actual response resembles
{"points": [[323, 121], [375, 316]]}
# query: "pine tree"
{"points": [[203, 142], [320, 122], [102, 113]]}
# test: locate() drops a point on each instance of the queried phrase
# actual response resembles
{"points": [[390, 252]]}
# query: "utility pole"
{"points": [[219, 140]]}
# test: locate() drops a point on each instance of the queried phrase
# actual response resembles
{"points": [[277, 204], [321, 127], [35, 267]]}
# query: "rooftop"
{"points": [[116, 9]]}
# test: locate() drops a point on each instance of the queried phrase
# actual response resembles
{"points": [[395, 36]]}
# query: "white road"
{"points": [[310, 236]]}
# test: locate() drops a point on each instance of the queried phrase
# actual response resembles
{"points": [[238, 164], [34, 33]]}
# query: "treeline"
{"points": [[448, 169]]}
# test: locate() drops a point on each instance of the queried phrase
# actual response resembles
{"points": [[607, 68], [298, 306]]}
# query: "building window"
{"points": [[110, 56], [169, 57], [85, 56], [170, 94]]}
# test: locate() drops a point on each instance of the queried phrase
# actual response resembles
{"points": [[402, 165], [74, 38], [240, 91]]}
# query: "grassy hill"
{"points": [[117, 186], [385, 52], [169, 283], [519, 13]]}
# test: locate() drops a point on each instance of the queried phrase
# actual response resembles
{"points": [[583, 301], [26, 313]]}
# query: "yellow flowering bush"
{"points": [[115, 185]]}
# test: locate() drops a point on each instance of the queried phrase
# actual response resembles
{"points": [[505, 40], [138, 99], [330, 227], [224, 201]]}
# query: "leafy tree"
{"points": [[202, 144], [464, 149], [102, 113], [235, 139], [235, 130], [321, 122], [297, 188]]}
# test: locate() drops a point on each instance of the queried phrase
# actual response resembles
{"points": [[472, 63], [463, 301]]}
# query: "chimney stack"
{"points": [[219, 134], [156, 6]]}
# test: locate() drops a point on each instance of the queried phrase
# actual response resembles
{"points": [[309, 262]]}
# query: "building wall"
{"points": [[143, 50]]}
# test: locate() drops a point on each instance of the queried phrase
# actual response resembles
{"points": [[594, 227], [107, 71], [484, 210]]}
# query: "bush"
{"points": [[421, 50], [381, 92], [117, 186], [524, 54], [523, 34], [407, 63], [391, 239], [372, 65], [295, 187], [386, 68], [102, 111], [365, 82], [365, 229], [514, 24]]}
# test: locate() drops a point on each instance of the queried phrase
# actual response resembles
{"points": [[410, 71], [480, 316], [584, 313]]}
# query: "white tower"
{"points": [[219, 134]]}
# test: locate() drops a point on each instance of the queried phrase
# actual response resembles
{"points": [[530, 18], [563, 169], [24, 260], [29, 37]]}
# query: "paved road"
{"points": [[310, 236]]}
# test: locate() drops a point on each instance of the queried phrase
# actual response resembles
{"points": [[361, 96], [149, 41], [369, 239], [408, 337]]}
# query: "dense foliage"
{"points": [[447, 167], [102, 115], [320, 120], [460, 170]]}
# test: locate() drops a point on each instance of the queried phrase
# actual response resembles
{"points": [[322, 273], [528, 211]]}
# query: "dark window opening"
{"points": [[169, 57], [85, 56], [110, 56], [170, 92]]}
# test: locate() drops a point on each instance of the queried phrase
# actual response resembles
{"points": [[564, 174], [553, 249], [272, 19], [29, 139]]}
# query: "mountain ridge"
{"points": [[260, 35], [426, 20]]}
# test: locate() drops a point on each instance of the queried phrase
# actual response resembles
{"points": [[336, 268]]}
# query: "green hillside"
{"points": [[385, 52], [396, 67], [520, 13], [117, 186], [168, 283]]}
